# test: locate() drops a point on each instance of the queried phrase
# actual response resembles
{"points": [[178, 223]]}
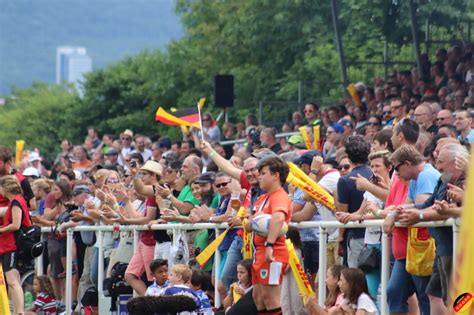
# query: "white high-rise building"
{"points": [[72, 62]]}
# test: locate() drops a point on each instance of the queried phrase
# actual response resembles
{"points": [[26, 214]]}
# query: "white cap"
{"points": [[34, 156], [78, 175], [31, 171]]}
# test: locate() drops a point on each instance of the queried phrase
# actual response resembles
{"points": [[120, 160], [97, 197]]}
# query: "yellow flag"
{"points": [[462, 281], [20, 144], [207, 253], [316, 137], [304, 286], [298, 178], [4, 304]]}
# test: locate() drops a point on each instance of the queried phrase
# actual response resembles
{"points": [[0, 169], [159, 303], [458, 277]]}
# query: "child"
{"points": [[242, 286], [334, 296], [356, 294], [159, 268], [180, 275], [200, 283], [45, 300]]}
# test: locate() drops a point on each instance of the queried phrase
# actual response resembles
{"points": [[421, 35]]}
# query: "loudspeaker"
{"points": [[224, 90]]}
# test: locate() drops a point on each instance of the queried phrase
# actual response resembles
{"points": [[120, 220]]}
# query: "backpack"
{"points": [[116, 284], [28, 237]]}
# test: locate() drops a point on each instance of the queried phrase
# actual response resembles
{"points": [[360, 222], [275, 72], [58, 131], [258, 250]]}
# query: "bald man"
{"points": [[425, 119], [445, 117]]}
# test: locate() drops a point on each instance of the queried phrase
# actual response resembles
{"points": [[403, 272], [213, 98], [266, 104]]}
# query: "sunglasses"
{"points": [[308, 111], [396, 168], [222, 185], [373, 124], [113, 181], [396, 107], [441, 118], [387, 112], [126, 139], [206, 119], [344, 166]]}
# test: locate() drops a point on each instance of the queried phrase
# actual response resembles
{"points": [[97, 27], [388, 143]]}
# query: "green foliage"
{"points": [[269, 46]]}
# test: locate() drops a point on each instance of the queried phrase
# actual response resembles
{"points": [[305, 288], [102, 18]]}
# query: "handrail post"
{"points": [[456, 228], [217, 265], [69, 271], [100, 274], [39, 266], [385, 273], [323, 237]]}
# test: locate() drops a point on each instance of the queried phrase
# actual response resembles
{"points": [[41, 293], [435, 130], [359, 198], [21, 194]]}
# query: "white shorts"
{"points": [[162, 250]]}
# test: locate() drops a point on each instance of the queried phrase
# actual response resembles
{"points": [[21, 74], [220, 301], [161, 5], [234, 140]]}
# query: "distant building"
{"points": [[72, 62]]}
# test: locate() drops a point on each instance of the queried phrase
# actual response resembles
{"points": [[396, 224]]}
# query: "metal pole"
{"points": [[456, 228], [385, 272], [39, 261], [323, 244], [414, 32], [385, 59], [100, 275], [427, 36], [260, 110], [217, 265], [135, 248], [69, 271], [342, 61], [300, 92]]}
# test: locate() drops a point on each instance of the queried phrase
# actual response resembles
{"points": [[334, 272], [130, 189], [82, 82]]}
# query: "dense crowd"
{"points": [[400, 155]]}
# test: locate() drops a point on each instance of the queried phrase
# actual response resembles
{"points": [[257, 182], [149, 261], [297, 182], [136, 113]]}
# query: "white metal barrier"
{"points": [[322, 225]]}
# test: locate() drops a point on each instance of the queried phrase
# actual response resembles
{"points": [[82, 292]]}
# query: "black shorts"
{"points": [[9, 261]]}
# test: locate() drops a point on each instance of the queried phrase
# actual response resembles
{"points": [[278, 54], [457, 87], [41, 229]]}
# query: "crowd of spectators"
{"points": [[400, 155]]}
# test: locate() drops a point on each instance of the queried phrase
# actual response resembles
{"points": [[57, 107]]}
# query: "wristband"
{"points": [[212, 154], [421, 216], [115, 206], [315, 172], [136, 177], [377, 214]]}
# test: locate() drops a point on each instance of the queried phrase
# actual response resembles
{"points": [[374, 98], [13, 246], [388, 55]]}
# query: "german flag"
{"points": [[182, 117]]}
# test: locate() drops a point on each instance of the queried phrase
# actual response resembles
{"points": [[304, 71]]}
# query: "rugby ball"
{"points": [[260, 224]]}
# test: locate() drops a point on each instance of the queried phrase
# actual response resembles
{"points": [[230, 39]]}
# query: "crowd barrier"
{"points": [[104, 303]]}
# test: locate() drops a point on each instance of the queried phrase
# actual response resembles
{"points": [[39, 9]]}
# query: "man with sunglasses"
{"points": [[126, 138], [311, 113], [445, 117], [248, 178], [398, 109]]}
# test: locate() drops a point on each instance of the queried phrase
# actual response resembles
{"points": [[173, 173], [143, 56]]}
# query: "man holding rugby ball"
{"points": [[271, 254]]}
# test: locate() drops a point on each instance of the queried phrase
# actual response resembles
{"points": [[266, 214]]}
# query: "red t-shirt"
{"points": [[146, 237], [244, 183], [7, 240], [397, 196], [277, 201]]}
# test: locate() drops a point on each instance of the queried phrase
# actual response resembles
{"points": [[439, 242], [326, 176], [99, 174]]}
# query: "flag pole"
{"points": [[200, 121]]}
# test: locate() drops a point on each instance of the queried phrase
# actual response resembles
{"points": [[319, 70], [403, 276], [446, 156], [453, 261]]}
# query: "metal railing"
{"points": [[323, 234]]}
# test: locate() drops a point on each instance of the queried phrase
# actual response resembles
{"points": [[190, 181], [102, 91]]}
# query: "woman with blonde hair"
{"points": [[17, 208]]}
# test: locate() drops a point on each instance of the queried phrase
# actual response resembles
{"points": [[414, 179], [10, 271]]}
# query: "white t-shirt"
{"points": [[364, 302], [329, 182], [373, 234]]}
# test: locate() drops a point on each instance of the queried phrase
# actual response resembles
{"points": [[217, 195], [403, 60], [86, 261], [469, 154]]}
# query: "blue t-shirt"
{"points": [[425, 183], [181, 289], [347, 193], [206, 307]]}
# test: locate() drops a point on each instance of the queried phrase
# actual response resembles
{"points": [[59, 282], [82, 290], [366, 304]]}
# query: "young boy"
{"points": [[200, 283], [159, 268], [180, 275]]}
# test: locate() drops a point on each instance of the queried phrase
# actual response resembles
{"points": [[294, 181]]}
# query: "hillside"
{"points": [[30, 31]]}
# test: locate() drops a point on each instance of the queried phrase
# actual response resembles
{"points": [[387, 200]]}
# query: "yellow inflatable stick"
{"points": [[298, 178], [20, 144], [304, 286], [317, 137], [306, 137], [354, 95], [4, 304]]}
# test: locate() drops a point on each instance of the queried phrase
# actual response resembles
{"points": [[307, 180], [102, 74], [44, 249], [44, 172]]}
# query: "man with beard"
{"points": [[249, 183], [438, 285]]}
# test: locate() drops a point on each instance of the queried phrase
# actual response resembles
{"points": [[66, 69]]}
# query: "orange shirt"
{"points": [[277, 201], [82, 166]]}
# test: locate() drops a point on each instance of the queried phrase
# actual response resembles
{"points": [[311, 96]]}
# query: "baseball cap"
{"points": [[263, 154], [79, 189], [204, 178], [34, 156], [307, 157], [31, 172], [346, 123], [338, 128], [111, 151]]}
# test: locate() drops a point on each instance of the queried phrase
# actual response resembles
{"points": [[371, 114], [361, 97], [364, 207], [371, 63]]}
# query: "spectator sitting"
{"points": [[159, 268]]}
